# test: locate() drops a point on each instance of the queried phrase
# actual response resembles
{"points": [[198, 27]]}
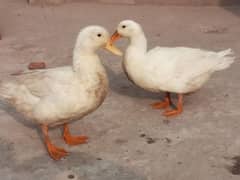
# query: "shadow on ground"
{"points": [[229, 3], [17, 116], [121, 85], [232, 6], [79, 166]]}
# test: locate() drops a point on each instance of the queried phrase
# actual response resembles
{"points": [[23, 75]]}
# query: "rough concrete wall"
{"points": [[191, 2], [175, 2], [51, 2], [160, 2]]}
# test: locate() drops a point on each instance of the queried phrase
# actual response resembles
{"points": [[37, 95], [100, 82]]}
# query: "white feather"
{"points": [[59, 95], [172, 69]]}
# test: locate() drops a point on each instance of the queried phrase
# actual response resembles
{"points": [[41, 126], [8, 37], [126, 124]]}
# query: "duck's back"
{"points": [[184, 69], [31, 91], [44, 82]]}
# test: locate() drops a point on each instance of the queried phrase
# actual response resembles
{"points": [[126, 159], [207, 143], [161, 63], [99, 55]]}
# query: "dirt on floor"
{"points": [[128, 139]]}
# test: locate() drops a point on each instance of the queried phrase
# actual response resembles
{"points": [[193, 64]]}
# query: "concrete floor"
{"points": [[128, 139]]}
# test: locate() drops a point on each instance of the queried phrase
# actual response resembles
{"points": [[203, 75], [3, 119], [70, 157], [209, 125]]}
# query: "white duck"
{"points": [[56, 96], [179, 69]]}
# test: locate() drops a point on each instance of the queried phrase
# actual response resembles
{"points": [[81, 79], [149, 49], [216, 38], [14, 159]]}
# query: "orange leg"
{"points": [[37, 65], [55, 152], [72, 140], [163, 104], [175, 111]]}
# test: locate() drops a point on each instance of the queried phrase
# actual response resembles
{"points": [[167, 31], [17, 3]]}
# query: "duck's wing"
{"points": [[191, 60], [171, 61], [175, 52], [186, 66], [43, 81]]}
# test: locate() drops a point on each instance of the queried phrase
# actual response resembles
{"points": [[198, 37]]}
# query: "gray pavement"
{"points": [[128, 139]]}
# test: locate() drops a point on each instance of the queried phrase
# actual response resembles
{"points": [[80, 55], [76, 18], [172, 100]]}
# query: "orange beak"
{"points": [[115, 37], [109, 46]]}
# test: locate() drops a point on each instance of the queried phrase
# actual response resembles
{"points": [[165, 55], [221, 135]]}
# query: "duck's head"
{"points": [[128, 28], [92, 38]]}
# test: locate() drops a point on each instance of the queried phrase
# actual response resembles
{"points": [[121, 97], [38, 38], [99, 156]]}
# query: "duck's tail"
{"points": [[226, 58]]}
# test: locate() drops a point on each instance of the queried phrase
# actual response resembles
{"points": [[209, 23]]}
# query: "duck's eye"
{"points": [[123, 26], [99, 35]]}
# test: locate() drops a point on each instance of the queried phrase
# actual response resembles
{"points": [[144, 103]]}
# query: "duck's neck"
{"points": [[134, 58], [138, 43], [86, 63]]}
